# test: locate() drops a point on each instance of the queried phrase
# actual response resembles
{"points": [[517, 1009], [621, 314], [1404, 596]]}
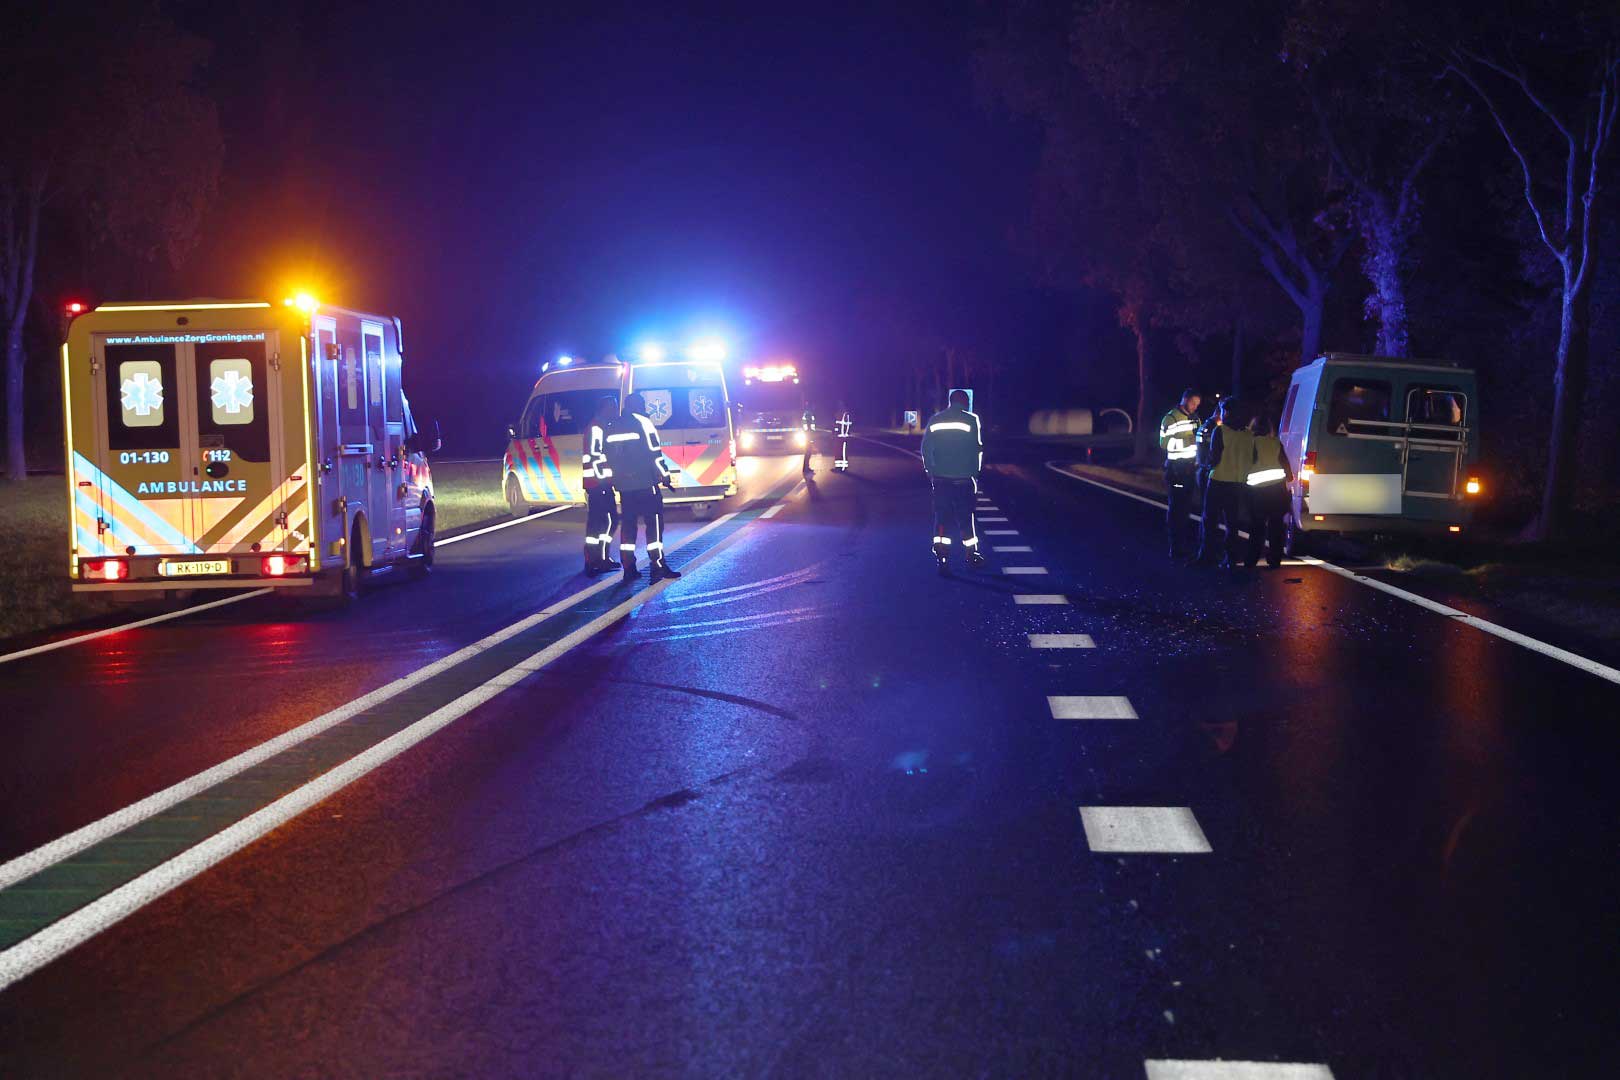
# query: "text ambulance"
{"points": [[222, 444]]}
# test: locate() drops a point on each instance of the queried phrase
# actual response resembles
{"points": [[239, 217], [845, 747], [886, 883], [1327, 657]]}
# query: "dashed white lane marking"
{"points": [[79, 639], [85, 923], [1091, 708], [773, 511], [1023, 569], [1011, 547], [1564, 656], [994, 520], [1040, 598], [1001, 532], [986, 508], [514, 523], [1061, 641], [1235, 1070], [1155, 830]]}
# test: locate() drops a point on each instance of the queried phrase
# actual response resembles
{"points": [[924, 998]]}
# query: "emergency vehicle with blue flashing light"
{"points": [[216, 444], [686, 401], [771, 410]]}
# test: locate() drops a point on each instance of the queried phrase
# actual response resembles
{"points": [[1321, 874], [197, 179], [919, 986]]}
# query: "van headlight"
{"points": [[801, 439], [746, 440]]}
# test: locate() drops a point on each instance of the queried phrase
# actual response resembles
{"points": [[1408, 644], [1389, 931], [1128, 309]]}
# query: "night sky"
{"points": [[516, 185]]}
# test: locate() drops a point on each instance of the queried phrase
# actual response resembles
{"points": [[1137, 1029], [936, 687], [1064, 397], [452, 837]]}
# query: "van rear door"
{"points": [[694, 430], [143, 458], [1437, 443], [1359, 446]]}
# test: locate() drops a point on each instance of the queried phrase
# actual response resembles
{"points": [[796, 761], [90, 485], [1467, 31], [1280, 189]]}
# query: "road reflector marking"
{"points": [[1023, 569], [1150, 830], [1091, 708], [1040, 598], [1061, 641], [1235, 1070], [1012, 547], [1001, 532]]}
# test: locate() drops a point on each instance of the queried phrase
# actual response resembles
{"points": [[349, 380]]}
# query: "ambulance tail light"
{"points": [[104, 570], [282, 565]]}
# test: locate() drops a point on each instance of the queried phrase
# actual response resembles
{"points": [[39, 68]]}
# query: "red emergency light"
{"points": [[104, 569], [281, 565], [76, 307]]}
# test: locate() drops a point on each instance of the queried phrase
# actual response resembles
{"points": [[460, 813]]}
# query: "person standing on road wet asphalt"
{"points": [[637, 461], [843, 424], [1206, 435], [597, 477], [1177, 432], [1268, 482], [807, 423], [953, 457], [1231, 456]]}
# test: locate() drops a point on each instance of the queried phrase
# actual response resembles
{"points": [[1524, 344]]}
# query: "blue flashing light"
{"points": [[710, 350], [564, 361], [651, 352]]}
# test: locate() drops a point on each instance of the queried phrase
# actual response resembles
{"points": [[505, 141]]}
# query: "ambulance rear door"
{"points": [[688, 404]]}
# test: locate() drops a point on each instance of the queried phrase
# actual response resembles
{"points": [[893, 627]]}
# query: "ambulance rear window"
{"points": [[696, 406], [142, 410], [232, 399]]}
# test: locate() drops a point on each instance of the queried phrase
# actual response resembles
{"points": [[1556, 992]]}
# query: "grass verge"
{"points": [[34, 593]]}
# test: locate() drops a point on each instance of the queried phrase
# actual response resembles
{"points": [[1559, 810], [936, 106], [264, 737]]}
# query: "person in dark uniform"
{"points": [[1201, 446], [1231, 457], [1267, 485], [807, 423], [953, 456], [597, 477], [637, 461], [1177, 434]]}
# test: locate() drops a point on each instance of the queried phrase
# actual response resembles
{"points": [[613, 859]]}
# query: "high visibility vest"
{"points": [[634, 453], [1237, 456], [952, 446], [1177, 433], [1267, 472], [593, 466]]}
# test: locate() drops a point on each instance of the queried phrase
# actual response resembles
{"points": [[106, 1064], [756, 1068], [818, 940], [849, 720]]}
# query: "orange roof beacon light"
{"points": [[303, 301]]}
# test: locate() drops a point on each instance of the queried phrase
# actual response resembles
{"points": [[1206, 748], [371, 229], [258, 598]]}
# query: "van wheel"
{"points": [[1295, 541], [516, 504], [702, 511], [422, 558]]}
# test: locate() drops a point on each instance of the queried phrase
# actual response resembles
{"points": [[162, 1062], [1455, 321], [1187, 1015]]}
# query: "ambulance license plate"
{"points": [[195, 568]]}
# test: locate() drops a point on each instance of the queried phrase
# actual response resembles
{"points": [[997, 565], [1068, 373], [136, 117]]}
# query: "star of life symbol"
{"points": [[142, 394], [658, 406], [231, 392], [702, 407]]}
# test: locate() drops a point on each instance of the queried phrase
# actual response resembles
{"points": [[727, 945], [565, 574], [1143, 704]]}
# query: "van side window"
{"points": [[1357, 399], [569, 412], [1288, 408], [529, 426]]}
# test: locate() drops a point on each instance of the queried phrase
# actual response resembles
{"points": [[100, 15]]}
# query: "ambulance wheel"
{"points": [[702, 511], [516, 504], [422, 557]]}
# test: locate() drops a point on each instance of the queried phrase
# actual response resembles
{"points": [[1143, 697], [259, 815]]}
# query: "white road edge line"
{"points": [[1574, 660], [32, 953], [30, 863], [94, 635]]}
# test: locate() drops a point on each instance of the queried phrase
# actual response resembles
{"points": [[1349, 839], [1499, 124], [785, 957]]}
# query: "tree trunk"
{"points": [[1147, 428], [1237, 357], [16, 462], [1569, 387], [1310, 332], [1384, 238]]}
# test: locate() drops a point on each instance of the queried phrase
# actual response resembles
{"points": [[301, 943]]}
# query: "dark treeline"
{"points": [[1256, 182]]}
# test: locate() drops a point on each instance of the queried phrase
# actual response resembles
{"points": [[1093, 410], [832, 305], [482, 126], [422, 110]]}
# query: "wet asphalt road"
{"points": [[808, 811]]}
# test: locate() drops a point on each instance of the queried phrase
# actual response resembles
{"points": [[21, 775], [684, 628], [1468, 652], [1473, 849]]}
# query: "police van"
{"points": [[217, 444], [688, 403], [545, 448], [1380, 446]]}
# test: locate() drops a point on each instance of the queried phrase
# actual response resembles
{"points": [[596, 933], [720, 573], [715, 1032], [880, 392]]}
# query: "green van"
{"points": [[1380, 446]]}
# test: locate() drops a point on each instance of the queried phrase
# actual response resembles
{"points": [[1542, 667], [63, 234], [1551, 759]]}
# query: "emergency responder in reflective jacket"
{"points": [[1231, 456], [600, 513], [843, 424], [1177, 433], [953, 455], [807, 424], [1268, 494], [637, 461]]}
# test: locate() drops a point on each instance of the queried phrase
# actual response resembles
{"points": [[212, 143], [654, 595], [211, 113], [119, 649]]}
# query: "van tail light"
{"points": [[282, 565], [104, 569], [1474, 487], [1307, 466]]}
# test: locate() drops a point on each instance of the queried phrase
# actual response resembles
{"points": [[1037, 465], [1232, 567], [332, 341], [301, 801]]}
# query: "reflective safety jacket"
{"points": [[1177, 432], [843, 425], [952, 447], [634, 454], [1270, 469], [1231, 455], [593, 467]]}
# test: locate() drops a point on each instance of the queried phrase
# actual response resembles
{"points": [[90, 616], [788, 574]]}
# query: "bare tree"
{"points": [[1561, 166]]}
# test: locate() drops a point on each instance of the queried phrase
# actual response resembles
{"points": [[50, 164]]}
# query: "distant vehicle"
{"points": [[221, 444], [546, 446], [770, 411], [687, 401], [1380, 446]]}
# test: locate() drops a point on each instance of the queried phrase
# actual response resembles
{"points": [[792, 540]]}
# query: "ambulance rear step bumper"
{"points": [[694, 494], [167, 585]]}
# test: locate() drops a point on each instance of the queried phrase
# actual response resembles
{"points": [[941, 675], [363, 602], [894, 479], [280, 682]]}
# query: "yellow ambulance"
{"points": [[218, 444]]}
